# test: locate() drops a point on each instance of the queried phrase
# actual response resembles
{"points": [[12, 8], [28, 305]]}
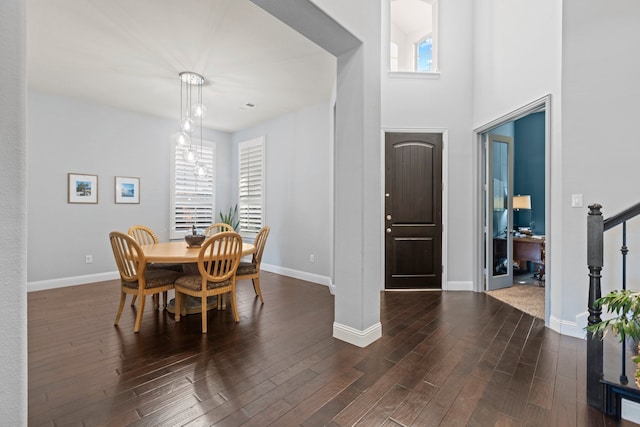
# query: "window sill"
{"points": [[414, 74]]}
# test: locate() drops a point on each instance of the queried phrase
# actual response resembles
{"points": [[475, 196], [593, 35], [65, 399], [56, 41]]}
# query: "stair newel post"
{"points": [[595, 232]]}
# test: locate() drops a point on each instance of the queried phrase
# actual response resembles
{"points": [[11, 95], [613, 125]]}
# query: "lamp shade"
{"points": [[521, 202]]}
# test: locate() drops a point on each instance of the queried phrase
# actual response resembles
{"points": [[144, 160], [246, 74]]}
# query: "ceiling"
{"points": [[128, 54], [411, 15]]}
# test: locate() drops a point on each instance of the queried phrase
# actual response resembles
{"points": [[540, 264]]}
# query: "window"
{"points": [[424, 54], [251, 185], [413, 36], [192, 198]]}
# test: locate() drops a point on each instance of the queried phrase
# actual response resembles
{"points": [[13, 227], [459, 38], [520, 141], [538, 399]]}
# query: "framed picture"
{"points": [[82, 188], [127, 189]]}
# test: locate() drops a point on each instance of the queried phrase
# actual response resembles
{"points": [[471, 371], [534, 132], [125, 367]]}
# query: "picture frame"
{"points": [[82, 188], [127, 190]]}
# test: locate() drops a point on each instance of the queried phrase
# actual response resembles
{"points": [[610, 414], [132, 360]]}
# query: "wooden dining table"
{"points": [[179, 252]]}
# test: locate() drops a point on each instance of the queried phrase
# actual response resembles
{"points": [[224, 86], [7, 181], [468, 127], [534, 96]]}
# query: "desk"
{"points": [[180, 252], [524, 249]]}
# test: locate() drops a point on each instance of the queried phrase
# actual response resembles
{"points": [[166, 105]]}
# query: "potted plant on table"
{"points": [[625, 323]]}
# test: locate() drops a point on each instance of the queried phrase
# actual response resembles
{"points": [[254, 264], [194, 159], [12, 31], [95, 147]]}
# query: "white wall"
{"points": [[442, 102], [298, 188], [66, 135], [600, 111], [13, 211]]}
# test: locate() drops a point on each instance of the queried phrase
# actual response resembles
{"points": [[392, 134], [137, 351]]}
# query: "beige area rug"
{"points": [[527, 298]]}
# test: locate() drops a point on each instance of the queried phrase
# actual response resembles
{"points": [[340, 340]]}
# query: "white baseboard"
{"points": [[630, 411], [357, 337], [111, 275], [565, 327], [459, 286], [297, 274], [41, 285]]}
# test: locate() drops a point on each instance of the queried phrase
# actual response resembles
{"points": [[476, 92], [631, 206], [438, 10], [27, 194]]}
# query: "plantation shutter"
{"points": [[251, 185], [192, 197]]}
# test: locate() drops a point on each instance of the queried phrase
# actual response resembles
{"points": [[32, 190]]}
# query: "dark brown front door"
{"points": [[413, 211]]}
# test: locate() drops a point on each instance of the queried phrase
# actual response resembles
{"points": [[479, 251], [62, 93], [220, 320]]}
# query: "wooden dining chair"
{"points": [[145, 236], [135, 279], [251, 270], [217, 264], [218, 227]]}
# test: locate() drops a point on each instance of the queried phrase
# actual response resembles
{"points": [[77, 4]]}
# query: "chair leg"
{"points": [[256, 287], [123, 297], [233, 305], [203, 300], [164, 300], [178, 306], [136, 327], [156, 301], [133, 301]]}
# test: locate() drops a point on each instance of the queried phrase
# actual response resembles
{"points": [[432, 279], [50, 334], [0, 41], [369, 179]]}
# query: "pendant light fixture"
{"points": [[188, 112]]}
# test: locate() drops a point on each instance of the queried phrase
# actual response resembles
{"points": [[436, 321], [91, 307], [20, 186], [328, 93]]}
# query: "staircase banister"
{"points": [[623, 216]]}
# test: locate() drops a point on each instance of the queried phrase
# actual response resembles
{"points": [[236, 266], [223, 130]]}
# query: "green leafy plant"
{"points": [[625, 323], [231, 218]]}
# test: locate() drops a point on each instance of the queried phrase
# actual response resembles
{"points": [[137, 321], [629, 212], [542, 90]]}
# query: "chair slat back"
{"points": [[143, 235], [219, 256], [216, 228], [259, 243], [128, 255]]}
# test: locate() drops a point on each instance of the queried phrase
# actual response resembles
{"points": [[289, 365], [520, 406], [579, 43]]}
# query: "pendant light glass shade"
{"points": [[190, 155], [182, 138], [200, 170], [187, 125], [198, 110]]}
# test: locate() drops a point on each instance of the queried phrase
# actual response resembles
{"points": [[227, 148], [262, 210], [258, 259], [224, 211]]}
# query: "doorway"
{"points": [[413, 210], [513, 187]]}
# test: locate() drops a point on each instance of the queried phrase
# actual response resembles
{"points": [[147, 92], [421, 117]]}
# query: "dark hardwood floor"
{"points": [[445, 359]]}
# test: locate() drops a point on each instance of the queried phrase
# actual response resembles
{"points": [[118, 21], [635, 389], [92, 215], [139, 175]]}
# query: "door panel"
{"points": [[499, 215], [413, 211]]}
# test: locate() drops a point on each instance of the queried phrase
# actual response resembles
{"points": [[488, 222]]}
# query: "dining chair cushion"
{"points": [[246, 268], [159, 266], [194, 282], [154, 278]]}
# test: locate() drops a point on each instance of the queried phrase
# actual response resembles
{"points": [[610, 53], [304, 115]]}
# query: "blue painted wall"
{"points": [[528, 171]]}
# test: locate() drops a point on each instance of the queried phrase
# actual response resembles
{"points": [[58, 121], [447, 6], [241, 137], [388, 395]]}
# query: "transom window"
{"points": [[413, 36]]}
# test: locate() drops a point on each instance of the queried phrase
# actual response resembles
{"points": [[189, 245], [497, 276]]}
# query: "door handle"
{"points": [[388, 230]]}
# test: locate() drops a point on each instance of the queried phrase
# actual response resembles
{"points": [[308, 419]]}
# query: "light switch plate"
{"points": [[576, 200]]}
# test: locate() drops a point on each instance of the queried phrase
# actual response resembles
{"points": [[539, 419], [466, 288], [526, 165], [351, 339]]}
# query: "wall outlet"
{"points": [[88, 259], [312, 258]]}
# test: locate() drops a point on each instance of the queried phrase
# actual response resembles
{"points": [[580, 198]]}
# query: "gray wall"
{"points": [[66, 135], [298, 181], [107, 142]]}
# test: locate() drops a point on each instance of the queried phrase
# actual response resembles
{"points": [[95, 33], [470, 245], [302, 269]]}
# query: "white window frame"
{"points": [[207, 202], [251, 195]]}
